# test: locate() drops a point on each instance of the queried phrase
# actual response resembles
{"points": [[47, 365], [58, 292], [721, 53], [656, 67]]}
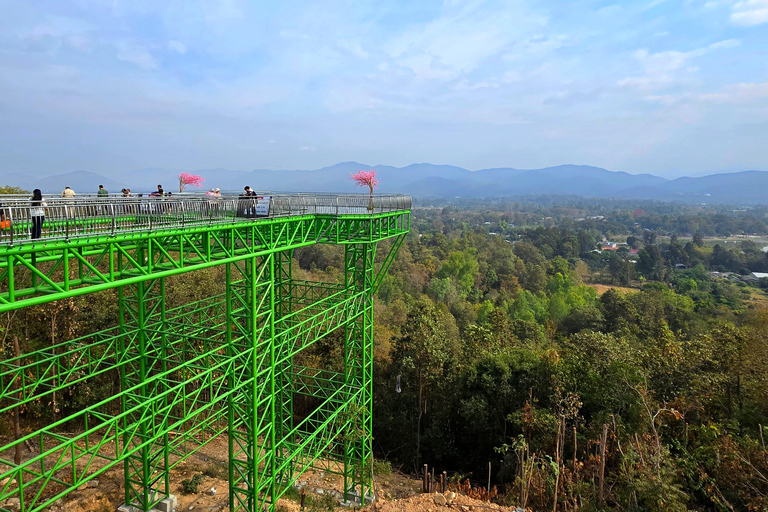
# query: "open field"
{"points": [[602, 288]]}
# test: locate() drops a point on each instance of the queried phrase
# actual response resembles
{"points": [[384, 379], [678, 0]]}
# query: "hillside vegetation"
{"points": [[653, 399]]}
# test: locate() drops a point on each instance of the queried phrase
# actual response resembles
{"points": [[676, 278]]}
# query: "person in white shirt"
{"points": [[37, 212], [68, 193]]}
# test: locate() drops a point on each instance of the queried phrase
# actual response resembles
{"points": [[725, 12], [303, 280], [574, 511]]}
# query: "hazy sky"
{"points": [[668, 87]]}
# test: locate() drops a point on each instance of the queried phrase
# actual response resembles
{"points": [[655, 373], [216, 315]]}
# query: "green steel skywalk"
{"points": [[221, 365]]}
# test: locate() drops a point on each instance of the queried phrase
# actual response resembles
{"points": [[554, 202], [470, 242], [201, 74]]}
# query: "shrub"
{"points": [[191, 485]]}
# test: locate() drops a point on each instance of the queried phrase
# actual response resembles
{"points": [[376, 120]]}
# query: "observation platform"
{"points": [[228, 363], [115, 215]]}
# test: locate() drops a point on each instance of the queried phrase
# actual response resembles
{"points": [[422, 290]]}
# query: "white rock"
{"points": [[439, 500], [449, 496], [213, 491]]}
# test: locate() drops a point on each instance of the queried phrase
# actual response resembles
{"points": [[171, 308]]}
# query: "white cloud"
{"points": [[466, 85], [177, 46], [750, 12], [747, 93], [136, 55], [465, 36], [663, 69], [354, 48], [739, 93], [351, 98], [728, 43], [307, 148], [510, 77]]}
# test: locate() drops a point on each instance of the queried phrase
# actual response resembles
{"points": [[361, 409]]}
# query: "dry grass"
{"points": [[602, 288]]}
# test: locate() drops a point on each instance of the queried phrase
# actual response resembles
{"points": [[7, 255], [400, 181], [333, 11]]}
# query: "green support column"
{"points": [[240, 304], [252, 429], [358, 372], [284, 370], [146, 470]]}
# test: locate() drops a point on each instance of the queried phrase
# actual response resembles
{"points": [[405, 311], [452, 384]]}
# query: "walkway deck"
{"points": [[81, 217]]}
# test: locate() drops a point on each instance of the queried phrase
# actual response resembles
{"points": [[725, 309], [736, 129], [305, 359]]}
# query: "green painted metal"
{"points": [[222, 365]]}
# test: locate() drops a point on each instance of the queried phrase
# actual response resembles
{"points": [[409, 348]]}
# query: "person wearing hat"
{"points": [[213, 201]]}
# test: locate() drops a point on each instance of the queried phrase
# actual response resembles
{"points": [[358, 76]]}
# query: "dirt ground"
{"points": [[396, 492], [428, 503], [602, 288]]}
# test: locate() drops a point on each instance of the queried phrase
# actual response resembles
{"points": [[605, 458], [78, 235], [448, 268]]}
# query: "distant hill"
{"points": [[424, 179]]}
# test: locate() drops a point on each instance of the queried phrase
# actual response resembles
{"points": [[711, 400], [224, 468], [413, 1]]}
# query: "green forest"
{"points": [[505, 354], [626, 379]]}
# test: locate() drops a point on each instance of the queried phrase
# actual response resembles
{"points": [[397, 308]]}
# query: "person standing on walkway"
{"points": [[245, 206], [37, 212], [68, 193], [102, 192]]}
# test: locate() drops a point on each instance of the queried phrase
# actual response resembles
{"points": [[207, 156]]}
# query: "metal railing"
{"points": [[82, 216]]}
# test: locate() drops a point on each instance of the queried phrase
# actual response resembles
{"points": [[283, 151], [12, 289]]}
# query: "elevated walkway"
{"points": [[116, 215]]}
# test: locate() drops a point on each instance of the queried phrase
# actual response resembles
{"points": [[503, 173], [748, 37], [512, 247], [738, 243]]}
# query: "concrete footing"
{"points": [[167, 505]]}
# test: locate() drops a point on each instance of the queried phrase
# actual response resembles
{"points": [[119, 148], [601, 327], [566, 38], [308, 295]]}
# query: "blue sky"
{"points": [[667, 87]]}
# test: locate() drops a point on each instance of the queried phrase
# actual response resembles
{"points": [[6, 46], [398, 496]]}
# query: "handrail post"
{"points": [[183, 214], [66, 221], [114, 218], [10, 219]]}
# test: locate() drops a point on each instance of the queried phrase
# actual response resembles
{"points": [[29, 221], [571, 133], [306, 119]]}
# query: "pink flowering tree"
{"points": [[366, 179], [186, 178]]}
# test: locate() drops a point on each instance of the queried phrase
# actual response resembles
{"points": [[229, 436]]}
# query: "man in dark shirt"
{"points": [[246, 207]]}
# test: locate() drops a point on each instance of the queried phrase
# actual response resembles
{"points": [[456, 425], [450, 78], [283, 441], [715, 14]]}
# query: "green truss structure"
{"points": [[223, 365]]}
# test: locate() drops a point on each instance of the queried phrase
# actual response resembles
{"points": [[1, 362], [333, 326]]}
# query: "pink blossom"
{"points": [[366, 179], [186, 178]]}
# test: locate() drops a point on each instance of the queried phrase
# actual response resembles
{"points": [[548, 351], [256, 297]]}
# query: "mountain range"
{"points": [[428, 180]]}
